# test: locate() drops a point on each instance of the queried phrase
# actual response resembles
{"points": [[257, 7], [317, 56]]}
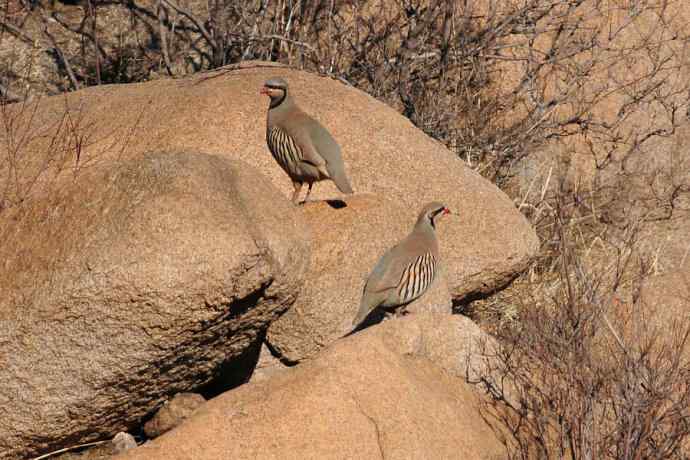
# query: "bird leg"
{"points": [[295, 194], [306, 197]]}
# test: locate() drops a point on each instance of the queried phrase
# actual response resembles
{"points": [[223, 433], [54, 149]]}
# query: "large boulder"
{"points": [[133, 283], [222, 113], [346, 243], [454, 343], [360, 398]]}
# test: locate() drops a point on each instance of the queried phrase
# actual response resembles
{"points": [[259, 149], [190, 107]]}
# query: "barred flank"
{"points": [[416, 277], [283, 148]]}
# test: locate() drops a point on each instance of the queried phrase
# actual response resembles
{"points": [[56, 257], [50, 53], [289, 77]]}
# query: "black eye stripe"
{"points": [[436, 212]]}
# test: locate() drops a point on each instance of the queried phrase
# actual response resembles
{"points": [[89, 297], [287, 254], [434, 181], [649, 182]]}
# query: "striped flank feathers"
{"points": [[283, 148], [416, 277]]}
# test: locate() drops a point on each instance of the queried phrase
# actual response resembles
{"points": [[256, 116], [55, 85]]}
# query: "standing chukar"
{"points": [[301, 145], [406, 271]]}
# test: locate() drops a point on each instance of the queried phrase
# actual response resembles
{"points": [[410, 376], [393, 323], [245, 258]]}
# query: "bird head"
{"points": [[276, 88], [432, 213]]}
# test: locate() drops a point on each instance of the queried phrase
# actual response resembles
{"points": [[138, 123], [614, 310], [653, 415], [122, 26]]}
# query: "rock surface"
{"points": [[172, 413], [664, 308], [128, 276], [346, 244], [452, 342], [223, 113], [133, 283], [360, 398], [122, 442], [266, 366]]}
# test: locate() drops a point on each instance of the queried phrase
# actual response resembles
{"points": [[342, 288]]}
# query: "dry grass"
{"points": [[597, 374]]}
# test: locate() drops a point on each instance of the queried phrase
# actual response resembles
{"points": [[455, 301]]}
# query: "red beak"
{"points": [[446, 211], [264, 90]]}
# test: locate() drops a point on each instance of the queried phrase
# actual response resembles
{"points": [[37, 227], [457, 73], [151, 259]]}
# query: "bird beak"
{"points": [[446, 211], [264, 90]]}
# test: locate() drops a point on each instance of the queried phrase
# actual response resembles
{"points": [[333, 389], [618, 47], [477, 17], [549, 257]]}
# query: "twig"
{"points": [[17, 32], [260, 38], [94, 31], [66, 449], [162, 29], [61, 54], [204, 32], [7, 95]]}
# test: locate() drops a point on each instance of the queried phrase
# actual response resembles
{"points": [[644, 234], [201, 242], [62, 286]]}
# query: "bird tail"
{"points": [[362, 314], [342, 183], [365, 308]]}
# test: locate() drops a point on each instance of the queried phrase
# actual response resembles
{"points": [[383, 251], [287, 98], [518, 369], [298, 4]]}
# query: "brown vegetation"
{"points": [[597, 376]]}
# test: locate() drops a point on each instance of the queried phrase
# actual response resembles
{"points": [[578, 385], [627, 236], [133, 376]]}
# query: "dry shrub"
{"points": [[593, 372], [543, 97], [36, 155], [490, 79]]}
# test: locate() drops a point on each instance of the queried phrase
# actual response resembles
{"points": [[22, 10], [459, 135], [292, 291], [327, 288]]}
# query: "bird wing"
{"points": [[382, 281], [389, 269], [303, 137], [324, 144], [329, 150], [318, 148]]}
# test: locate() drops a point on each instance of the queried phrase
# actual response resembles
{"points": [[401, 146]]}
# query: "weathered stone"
{"points": [[132, 283], [360, 398], [172, 413], [223, 113], [123, 442]]}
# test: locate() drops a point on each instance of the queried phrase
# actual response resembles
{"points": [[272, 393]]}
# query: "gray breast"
{"points": [[284, 149], [416, 278]]}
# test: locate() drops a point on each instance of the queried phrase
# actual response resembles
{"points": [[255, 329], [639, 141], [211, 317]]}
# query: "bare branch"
{"points": [[197, 23], [60, 53], [163, 32], [8, 96]]}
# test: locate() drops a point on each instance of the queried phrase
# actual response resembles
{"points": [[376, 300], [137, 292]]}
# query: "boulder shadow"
{"points": [[233, 372]]}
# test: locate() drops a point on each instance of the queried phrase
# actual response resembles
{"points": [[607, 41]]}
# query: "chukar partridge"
{"points": [[407, 270], [301, 145]]}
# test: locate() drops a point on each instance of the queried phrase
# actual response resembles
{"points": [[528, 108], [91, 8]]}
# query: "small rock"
{"points": [[173, 413], [267, 366], [122, 442]]}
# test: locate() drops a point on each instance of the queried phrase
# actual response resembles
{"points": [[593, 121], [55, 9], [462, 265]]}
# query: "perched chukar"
{"points": [[301, 145], [406, 271]]}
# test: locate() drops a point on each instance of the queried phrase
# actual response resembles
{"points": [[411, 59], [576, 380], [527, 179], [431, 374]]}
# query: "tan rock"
{"points": [[133, 282], [346, 244], [361, 398], [123, 442], [172, 413], [222, 113], [663, 310], [266, 366], [453, 342], [656, 325], [638, 167]]}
